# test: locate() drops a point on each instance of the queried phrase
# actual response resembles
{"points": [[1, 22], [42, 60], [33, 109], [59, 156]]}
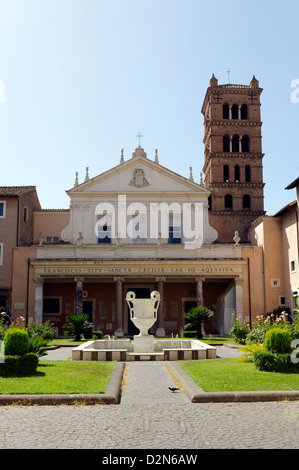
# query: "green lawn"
{"points": [[61, 377], [226, 375]]}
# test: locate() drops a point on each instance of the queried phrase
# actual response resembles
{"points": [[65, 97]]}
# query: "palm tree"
{"points": [[196, 316], [76, 325]]}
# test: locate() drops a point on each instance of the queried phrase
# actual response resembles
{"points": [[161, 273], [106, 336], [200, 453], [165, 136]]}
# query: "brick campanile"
{"points": [[233, 157]]}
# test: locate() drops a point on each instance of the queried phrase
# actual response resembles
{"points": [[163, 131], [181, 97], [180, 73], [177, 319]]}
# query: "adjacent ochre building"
{"points": [[142, 227]]}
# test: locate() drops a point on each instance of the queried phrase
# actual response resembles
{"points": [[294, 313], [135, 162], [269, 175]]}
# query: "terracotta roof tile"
{"points": [[15, 190]]}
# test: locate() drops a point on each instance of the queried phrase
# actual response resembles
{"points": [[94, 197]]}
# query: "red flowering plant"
{"points": [[264, 323]]}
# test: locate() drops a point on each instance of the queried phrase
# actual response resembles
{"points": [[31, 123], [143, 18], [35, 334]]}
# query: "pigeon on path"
{"points": [[173, 389]]}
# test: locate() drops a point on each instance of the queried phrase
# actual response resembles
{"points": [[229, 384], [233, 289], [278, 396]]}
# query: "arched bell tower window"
{"points": [[235, 111], [244, 111], [226, 173], [225, 111], [226, 143], [228, 201], [235, 143], [247, 174], [246, 201], [237, 173], [245, 143]]}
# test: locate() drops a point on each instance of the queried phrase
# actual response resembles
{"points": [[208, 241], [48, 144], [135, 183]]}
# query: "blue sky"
{"points": [[83, 77]]}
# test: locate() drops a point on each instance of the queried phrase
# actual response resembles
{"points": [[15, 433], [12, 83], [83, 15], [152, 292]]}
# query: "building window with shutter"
{"points": [[175, 228], [2, 209], [104, 228]]}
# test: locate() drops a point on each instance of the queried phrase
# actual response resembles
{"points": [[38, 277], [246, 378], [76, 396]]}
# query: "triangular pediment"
{"points": [[138, 175]]}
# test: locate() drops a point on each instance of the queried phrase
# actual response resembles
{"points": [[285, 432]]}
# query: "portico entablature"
{"points": [[131, 268]]}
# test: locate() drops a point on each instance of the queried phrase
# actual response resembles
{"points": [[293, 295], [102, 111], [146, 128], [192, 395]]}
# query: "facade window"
{"points": [[225, 111], [226, 173], [1, 254], [104, 229], [282, 300], [245, 143], [25, 215], [235, 111], [52, 239], [235, 143], [2, 209], [226, 143], [237, 173], [51, 305], [293, 266], [247, 174], [228, 201], [139, 228], [210, 203], [175, 228], [246, 201], [244, 111]]}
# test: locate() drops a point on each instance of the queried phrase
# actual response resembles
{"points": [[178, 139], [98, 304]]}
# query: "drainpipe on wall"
{"points": [[18, 219], [27, 298], [249, 292], [264, 281]]}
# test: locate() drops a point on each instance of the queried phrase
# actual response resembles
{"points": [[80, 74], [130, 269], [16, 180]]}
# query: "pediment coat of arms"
{"points": [[139, 180]]}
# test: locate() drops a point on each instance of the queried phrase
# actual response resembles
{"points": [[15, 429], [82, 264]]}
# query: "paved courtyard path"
{"points": [[150, 416]]}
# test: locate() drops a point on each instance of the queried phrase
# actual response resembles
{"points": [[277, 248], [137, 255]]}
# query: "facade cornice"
{"points": [[234, 184], [230, 155], [241, 212], [236, 122]]}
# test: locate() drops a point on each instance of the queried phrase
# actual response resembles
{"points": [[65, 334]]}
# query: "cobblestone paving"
{"points": [[152, 426], [150, 416]]}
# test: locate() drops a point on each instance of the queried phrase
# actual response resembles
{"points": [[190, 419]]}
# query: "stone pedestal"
{"points": [[144, 344]]}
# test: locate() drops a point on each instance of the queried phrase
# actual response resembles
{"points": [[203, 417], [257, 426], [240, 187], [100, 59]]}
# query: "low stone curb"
{"points": [[110, 397], [197, 395]]}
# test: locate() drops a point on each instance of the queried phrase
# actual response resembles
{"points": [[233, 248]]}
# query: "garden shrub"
{"points": [[238, 331], [189, 334], [38, 345], [19, 365], [46, 330], [16, 342], [278, 340], [97, 334], [268, 361], [87, 330]]}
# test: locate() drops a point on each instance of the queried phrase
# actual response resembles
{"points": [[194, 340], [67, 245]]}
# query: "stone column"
{"points": [[239, 112], [79, 296], [239, 296], [160, 332], [38, 308], [119, 307], [199, 291], [199, 297], [240, 144], [230, 144], [230, 112]]}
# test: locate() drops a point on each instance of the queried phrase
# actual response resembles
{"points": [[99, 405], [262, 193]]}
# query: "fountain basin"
{"points": [[123, 350]]}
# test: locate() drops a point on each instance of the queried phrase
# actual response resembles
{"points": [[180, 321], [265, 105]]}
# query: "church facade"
{"points": [[140, 226]]}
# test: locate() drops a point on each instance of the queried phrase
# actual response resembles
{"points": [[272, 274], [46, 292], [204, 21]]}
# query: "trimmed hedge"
{"points": [[19, 365], [189, 334], [16, 342], [273, 362], [278, 340]]}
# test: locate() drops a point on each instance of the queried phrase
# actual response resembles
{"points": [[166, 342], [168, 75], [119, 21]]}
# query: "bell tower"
{"points": [[233, 157]]}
